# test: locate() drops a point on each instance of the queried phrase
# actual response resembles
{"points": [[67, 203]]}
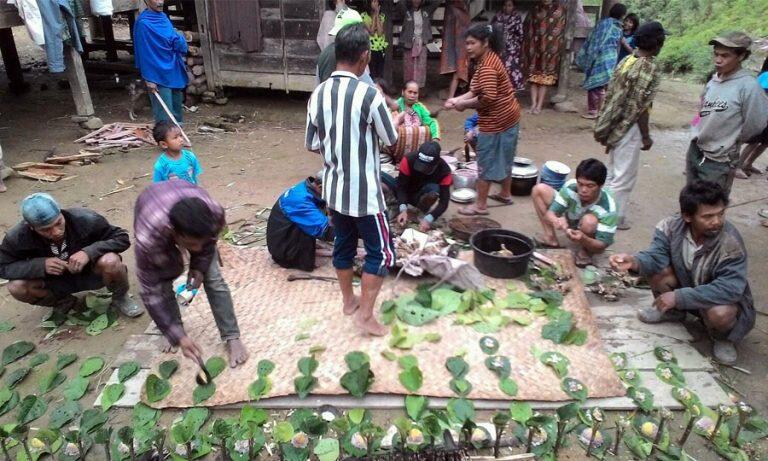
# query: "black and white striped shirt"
{"points": [[345, 120]]}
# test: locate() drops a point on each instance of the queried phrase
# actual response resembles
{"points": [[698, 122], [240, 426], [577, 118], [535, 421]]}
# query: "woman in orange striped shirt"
{"points": [[492, 94]]}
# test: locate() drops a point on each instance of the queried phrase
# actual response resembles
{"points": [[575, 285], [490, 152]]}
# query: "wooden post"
{"points": [[388, 8], [565, 62], [77, 81], [11, 61], [607, 4], [109, 37]]}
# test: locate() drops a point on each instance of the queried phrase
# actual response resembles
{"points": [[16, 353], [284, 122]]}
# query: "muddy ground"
{"points": [[248, 169]]}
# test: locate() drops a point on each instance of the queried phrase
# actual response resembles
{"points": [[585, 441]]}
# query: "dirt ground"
{"points": [[248, 169]]}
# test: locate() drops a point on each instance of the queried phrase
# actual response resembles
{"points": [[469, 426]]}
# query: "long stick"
{"points": [[170, 115]]}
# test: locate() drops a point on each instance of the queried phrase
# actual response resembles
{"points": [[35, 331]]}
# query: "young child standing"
{"points": [[416, 113], [174, 162]]}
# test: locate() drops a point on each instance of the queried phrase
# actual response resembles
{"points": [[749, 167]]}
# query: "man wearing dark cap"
{"points": [[623, 123], [54, 253], [734, 109], [425, 178]]}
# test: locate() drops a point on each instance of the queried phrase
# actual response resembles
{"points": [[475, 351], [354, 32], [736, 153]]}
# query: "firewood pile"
{"points": [[119, 135], [50, 169], [197, 88]]}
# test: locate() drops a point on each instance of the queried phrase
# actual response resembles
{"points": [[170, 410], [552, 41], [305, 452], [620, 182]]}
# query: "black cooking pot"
{"points": [[524, 177], [487, 241]]}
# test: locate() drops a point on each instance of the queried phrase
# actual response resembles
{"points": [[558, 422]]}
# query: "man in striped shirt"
{"points": [[346, 118], [582, 208]]}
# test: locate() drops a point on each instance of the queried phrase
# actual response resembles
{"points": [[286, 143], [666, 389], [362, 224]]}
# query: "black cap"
{"points": [[427, 157], [651, 29]]}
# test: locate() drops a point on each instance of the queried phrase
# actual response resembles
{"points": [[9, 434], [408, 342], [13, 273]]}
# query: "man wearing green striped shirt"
{"points": [[582, 208]]}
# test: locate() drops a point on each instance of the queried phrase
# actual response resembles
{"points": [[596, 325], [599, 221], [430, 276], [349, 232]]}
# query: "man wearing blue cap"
{"points": [[54, 253]]}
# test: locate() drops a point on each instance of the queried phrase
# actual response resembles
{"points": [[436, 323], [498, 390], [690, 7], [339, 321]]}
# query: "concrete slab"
{"points": [[632, 328], [640, 354], [139, 348], [133, 387]]}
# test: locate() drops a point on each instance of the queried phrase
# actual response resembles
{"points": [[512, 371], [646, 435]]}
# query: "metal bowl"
{"points": [[464, 179]]}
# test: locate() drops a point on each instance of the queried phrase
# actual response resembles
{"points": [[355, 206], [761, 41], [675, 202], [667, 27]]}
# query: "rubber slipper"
{"points": [[763, 213], [542, 244], [502, 200], [467, 211]]}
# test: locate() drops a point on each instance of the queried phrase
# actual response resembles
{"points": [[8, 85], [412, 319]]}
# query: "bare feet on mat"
{"points": [[351, 307], [370, 326], [168, 347], [237, 352]]}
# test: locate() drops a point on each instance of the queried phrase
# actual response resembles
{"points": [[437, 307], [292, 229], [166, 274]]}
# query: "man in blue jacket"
{"points": [[159, 52], [297, 220], [697, 264]]}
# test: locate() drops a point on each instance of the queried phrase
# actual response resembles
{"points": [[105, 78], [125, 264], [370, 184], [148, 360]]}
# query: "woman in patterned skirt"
{"points": [[544, 41], [453, 56], [512, 25]]}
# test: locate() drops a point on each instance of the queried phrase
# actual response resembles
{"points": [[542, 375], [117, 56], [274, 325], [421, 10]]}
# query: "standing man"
{"points": [[54, 253], [734, 109], [697, 264], [623, 124], [169, 217], [159, 53], [346, 119]]}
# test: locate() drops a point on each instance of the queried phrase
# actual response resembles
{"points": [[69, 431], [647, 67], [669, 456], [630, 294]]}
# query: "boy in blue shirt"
{"points": [[173, 163]]}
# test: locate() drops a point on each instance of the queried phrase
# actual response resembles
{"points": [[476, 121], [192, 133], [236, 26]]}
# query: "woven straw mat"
{"points": [[273, 312]]}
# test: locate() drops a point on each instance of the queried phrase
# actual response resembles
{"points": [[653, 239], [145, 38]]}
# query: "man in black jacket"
{"points": [[424, 179], [54, 253]]}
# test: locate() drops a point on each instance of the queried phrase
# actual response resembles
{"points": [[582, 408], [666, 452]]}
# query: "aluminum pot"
{"points": [[524, 177], [464, 178]]}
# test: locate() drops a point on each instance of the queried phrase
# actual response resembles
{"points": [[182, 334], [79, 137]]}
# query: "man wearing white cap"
{"points": [[54, 253], [326, 62]]}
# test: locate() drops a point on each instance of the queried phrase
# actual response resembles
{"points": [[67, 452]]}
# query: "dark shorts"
{"points": [[496, 153], [700, 168], [67, 284], [374, 231]]}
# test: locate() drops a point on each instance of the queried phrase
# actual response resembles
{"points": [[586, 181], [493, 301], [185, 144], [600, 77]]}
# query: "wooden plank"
{"points": [[140, 348], [640, 354], [275, 81], [9, 16], [300, 9], [255, 63], [299, 29], [77, 81], [632, 328]]}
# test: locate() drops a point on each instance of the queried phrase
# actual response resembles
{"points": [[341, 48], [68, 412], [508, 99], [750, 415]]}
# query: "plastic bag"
{"points": [[101, 7]]}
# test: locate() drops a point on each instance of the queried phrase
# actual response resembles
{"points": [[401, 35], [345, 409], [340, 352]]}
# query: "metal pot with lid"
{"points": [[524, 174]]}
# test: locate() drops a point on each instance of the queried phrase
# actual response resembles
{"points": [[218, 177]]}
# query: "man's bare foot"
{"points": [[237, 352], [351, 307], [372, 327], [168, 348]]}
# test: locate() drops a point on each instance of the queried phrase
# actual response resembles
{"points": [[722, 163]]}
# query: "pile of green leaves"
{"points": [[96, 317], [405, 338], [358, 380]]}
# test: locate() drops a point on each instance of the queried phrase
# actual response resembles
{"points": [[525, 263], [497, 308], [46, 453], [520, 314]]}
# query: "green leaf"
{"points": [[38, 359], [196, 417], [304, 385], [111, 394], [415, 314], [432, 337], [457, 366], [10, 404], [307, 365], [460, 386], [462, 410], [5, 395], [301, 337], [574, 388], [168, 368], [389, 355], [317, 349], [508, 386], [521, 411], [670, 373], [75, 388], [630, 376], [664, 354], [30, 409], [51, 380], [98, 325], [557, 361], [489, 345], [264, 368], [568, 411], [411, 379], [356, 415], [127, 370], [144, 416], [283, 432], [259, 388], [203, 393], [408, 361], [619, 360], [16, 351], [156, 388], [576, 337], [327, 449], [424, 295], [558, 328], [642, 397], [16, 376], [91, 366], [415, 405], [446, 301], [358, 381], [215, 365], [64, 414], [6, 326], [499, 364], [64, 360], [356, 360]]}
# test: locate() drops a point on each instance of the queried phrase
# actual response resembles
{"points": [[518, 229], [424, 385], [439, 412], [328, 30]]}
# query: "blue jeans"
{"points": [[496, 153], [374, 230], [173, 99]]}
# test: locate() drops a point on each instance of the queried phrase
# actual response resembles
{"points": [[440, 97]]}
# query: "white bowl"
{"points": [[464, 195]]}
